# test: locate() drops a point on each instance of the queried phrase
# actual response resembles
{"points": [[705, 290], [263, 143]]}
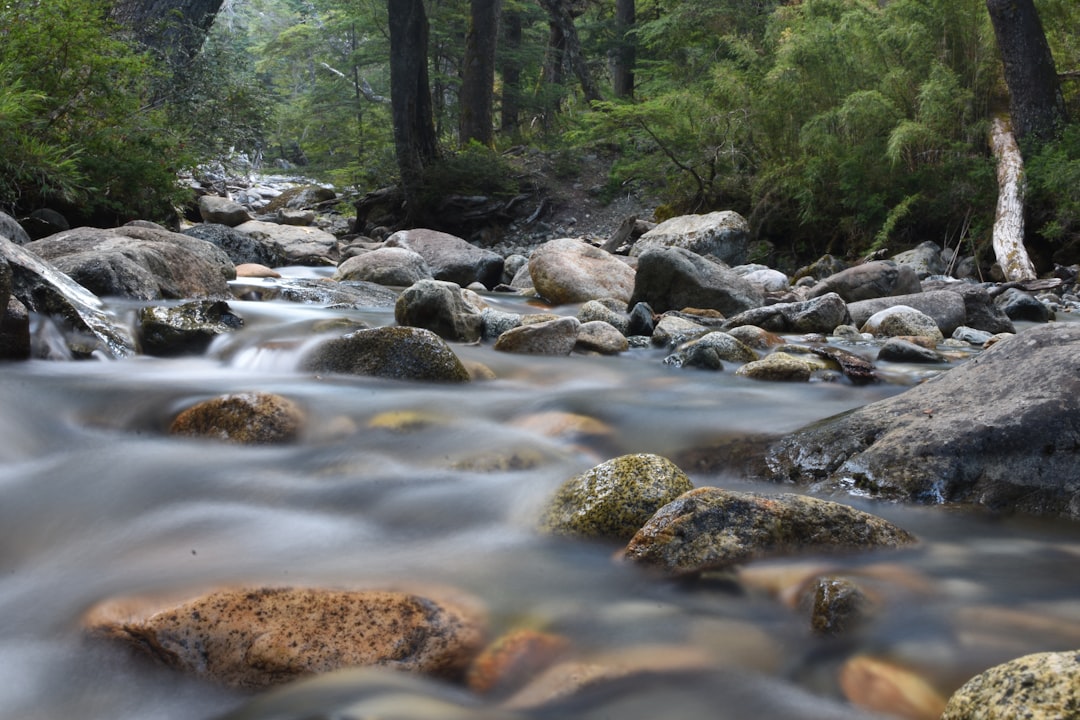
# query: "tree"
{"points": [[415, 143], [478, 72], [624, 55], [510, 70], [175, 29], [565, 48], [1036, 105]]}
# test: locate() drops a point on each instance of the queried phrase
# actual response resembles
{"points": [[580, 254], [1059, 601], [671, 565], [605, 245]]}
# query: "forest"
{"points": [[842, 126]]}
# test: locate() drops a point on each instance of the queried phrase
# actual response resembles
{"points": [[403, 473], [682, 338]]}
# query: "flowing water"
{"points": [[96, 501]]}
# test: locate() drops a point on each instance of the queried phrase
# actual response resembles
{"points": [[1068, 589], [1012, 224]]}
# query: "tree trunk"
{"points": [[1036, 105], [1009, 221], [478, 72], [410, 96], [176, 29], [622, 66], [562, 26], [510, 69]]}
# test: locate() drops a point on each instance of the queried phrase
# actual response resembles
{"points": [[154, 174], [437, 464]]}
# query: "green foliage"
{"points": [[1053, 176], [474, 170], [81, 131]]}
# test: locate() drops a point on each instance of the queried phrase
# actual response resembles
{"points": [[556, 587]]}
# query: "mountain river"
{"points": [[97, 501]]}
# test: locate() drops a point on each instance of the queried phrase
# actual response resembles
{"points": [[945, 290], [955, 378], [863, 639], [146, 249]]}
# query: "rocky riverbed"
{"points": [[569, 484]]}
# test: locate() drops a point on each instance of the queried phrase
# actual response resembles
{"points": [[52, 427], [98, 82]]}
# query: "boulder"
{"points": [[44, 222], [139, 262], [222, 211], [15, 332], [925, 259], [614, 499], [184, 329], [1019, 305], [253, 418], [710, 351], [259, 637], [768, 279], [904, 351], [714, 529], [40, 287], [783, 367], [12, 230], [5, 285], [674, 278], [595, 310], [321, 291], [567, 270], [724, 235], [392, 266], [398, 353], [980, 312], [1002, 430], [240, 247], [1043, 686], [600, 337], [450, 257], [948, 309], [877, 278], [550, 337], [297, 245], [440, 307], [494, 323], [820, 315], [901, 320]]}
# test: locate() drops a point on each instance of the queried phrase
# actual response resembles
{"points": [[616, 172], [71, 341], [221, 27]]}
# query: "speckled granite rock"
{"points": [[244, 418], [783, 366], [615, 498], [267, 636], [1044, 686], [714, 529], [185, 329], [548, 337]]}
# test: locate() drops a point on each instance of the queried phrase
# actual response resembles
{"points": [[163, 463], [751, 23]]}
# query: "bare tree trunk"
{"points": [[622, 67], [510, 69], [176, 29], [562, 21], [478, 72], [1009, 221], [1036, 105], [410, 96]]}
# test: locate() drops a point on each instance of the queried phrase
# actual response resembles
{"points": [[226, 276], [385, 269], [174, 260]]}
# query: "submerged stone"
{"points": [[244, 418], [714, 529], [187, 328], [260, 637]]}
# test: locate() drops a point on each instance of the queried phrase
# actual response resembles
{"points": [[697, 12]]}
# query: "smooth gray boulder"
{"points": [[1001, 430], [139, 262], [450, 257], [12, 230], [440, 307], [223, 211], [393, 266], [947, 308], [925, 259], [979, 309], [566, 270], [398, 353], [819, 315], [240, 247], [673, 278], [878, 278], [40, 287], [724, 235], [306, 246]]}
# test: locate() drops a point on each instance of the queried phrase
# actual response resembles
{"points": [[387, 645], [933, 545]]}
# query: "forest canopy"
{"points": [[832, 125]]}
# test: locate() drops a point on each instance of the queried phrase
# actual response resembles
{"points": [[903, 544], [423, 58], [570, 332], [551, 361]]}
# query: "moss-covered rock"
{"points": [[187, 328], [399, 353], [615, 498]]}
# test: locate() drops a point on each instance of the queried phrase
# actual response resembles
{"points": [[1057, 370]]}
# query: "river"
{"points": [[97, 501]]}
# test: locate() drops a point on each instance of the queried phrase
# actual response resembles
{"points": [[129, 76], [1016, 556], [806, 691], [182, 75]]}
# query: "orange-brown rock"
{"points": [[266, 636], [245, 418], [513, 659]]}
